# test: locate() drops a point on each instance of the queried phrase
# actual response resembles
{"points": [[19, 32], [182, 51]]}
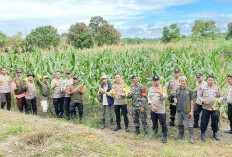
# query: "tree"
{"points": [[171, 34], [205, 28], [44, 37], [95, 22], [79, 36], [108, 35], [229, 34], [2, 39]]}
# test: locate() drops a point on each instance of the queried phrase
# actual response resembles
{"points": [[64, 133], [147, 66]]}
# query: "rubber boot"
{"points": [[126, 128], [191, 135], [117, 128], [137, 131], [181, 132], [164, 140], [103, 123], [216, 137], [111, 123]]}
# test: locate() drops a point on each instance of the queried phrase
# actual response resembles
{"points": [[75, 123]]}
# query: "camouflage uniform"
{"points": [[138, 102]]}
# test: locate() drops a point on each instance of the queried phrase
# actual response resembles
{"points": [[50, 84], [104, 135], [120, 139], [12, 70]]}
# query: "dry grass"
{"points": [[23, 135]]}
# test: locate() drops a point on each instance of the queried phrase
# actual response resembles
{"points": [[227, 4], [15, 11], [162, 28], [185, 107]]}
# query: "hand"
{"points": [[103, 92], [37, 78], [142, 110], [191, 114], [118, 94], [155, 109], [157, 91], [204, 101], [175, 100], [11, 93]]}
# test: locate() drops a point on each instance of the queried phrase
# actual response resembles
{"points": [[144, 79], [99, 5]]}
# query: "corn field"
{"points": [[145, 61]]}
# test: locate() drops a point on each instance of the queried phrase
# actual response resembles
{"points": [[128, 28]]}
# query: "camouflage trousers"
{"points": [[136, 114]]}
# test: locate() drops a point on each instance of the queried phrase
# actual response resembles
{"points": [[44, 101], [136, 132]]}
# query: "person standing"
{"points": [[30, 96], [210, 97], [75, 90], [171, 86], [198, 106], [184, 106], [138, 95], [5, 89], [44, 94], [106, 100], [120, 103], [17, 86], [68, 81], [156, 99], [57, 94], [228, 97]]}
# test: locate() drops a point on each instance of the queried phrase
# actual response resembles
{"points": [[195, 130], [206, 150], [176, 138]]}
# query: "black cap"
{"points": [[30, 75], [199, 74], [18, 71], [177, 70], [68, 72], [75, 77], [230, 75], [155, 78]]}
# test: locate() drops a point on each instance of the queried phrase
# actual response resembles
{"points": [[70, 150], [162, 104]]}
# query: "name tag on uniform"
{"points": [[206, 91]]}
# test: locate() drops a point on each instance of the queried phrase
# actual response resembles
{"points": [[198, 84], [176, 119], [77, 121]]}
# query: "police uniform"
{"points": [[210, 94], [172, 85], [228, 97], [198, 105]]}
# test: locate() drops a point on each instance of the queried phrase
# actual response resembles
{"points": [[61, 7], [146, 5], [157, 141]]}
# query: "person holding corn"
{"points": [[57, 94], [44, 94], [138, 94], [120, 102], [68, 81], [17, 86], [30, 96], [228, 97], [210, 97], [171, 86], [106, 100], [184, 105], [156, 99], [5, 89], [76, 91]]}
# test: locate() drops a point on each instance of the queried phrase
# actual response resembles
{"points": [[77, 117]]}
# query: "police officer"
{"points": [[210, 97], [156, 100], [139, 102], [228, 97], [198, 106], [172, 85]]}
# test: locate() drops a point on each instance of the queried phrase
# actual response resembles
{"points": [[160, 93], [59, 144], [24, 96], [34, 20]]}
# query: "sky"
{"points": [[132, 18]]}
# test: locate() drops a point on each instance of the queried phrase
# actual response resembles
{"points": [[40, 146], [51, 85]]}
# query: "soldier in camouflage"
{"points": [[139, 102]]}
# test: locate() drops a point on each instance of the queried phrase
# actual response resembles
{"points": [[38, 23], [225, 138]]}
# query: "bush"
{"points": [[108, 35], [2, 39], [44, 37], [79, 36]]}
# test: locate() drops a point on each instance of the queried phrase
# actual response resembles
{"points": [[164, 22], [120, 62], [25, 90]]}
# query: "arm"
{"points": [[14, 85], [220, 96], [175, 98], [69, 91], [53, 85], [191, 103]]}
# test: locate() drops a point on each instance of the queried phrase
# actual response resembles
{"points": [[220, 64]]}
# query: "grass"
{"points": [[26, 135]]}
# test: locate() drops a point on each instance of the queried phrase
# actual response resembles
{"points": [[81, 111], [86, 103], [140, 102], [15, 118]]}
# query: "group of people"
{"points": [[67, 94], [181, 98]]}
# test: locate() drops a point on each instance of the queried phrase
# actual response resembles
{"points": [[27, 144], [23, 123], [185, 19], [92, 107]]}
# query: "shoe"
{"points": [[171, 123], [164, 140], [196, 126], [228, 131], [203, 136], [126, 128], [137, 131], [117, 128], [216, 137]]}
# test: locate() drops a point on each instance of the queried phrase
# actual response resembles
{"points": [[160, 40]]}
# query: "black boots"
{"points": [[117, 128], [103, 123], [191, 135], [137, 131], [181, 132], [228, 131], [195, 125], [216, 137], [126, 127], [164, 140], [171, 123]]}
